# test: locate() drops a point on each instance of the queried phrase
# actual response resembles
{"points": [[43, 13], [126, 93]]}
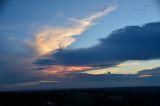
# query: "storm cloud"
{"points": [[128, 43]]}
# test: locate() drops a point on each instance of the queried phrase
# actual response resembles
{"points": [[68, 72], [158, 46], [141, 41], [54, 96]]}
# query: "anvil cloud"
{"points": [[53, 38], [129, 43]]}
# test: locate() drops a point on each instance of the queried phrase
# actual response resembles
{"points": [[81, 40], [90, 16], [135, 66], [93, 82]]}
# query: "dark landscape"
{"points": [[121, 96]]}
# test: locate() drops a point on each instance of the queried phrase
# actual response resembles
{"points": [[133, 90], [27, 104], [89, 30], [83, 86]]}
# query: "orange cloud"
{"points": [[60, 69], [53, 38]]}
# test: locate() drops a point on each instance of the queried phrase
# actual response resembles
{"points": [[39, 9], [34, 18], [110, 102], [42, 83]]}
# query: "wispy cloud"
{"points": [[144, 76], [53, 38], [62, 70], [29, 84]]}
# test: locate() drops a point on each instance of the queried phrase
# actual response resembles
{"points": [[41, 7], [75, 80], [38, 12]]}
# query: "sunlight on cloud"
{"points": [[54, 38], [61, 70], [127, 64], [102, 71], [129, 67]]}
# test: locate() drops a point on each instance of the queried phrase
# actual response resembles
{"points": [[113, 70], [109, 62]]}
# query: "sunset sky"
{"points": [[47, 44]]}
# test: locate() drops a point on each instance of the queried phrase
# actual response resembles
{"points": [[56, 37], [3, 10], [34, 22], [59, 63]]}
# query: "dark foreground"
{"points": [[131, 96]]}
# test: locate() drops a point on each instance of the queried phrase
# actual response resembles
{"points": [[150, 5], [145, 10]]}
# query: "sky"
{"points": [[58, 44]]}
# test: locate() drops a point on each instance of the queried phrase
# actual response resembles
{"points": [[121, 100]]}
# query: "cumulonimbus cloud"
{"points": [[129, 43], [53, 38]]}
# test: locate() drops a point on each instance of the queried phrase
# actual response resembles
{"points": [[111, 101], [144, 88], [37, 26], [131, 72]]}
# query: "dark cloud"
{"points": [[82, 77], [129, 43], [88, 81], [10, 46], [153, 72], [15, 61]]}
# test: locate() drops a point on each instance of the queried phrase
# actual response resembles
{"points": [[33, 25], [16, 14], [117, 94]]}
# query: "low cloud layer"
{"points": [[129, 43], [89, 81], [152, 72]]}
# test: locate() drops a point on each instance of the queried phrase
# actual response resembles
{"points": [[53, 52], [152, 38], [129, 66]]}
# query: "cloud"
{"points": [[27, 85], [17, 55], [33, 83], [145, 75], [16, 59], [61, 70], [152, 72], [53, 38], [127, 64], [129, 43], [128, 67], [87, 81]]}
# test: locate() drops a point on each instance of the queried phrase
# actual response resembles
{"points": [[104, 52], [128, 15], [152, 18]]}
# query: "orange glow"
{"points": [[60, 69], [53, 38]]}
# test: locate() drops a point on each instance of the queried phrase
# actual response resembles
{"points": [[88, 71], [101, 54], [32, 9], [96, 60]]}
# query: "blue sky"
{"points": [[32, 34]]}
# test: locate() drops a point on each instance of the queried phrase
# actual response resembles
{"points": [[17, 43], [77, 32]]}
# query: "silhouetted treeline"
{"points": [[128, 96]]}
